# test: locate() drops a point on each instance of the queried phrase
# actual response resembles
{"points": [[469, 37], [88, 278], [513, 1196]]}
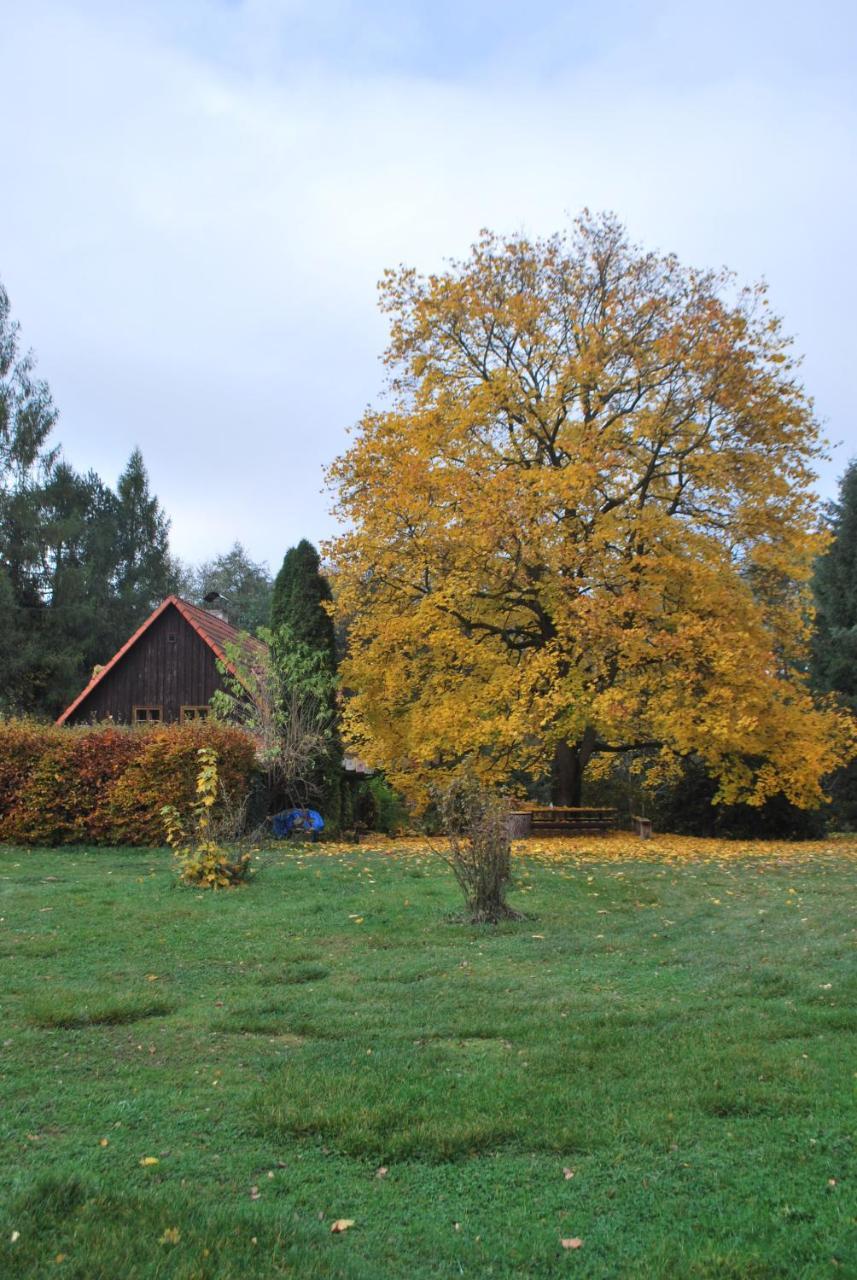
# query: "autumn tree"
{"points": [[583, 523]]}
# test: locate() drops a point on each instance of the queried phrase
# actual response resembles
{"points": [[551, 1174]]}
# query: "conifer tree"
{"points": [[834, 656], [835, 587], [300, 592], [80, 566], [143, 573], [245, 586], [300, 621], [27, 462]]}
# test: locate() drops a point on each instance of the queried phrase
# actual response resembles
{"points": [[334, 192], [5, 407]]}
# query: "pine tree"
{"points": [[144, 571], [82, 619], [80, 566]]}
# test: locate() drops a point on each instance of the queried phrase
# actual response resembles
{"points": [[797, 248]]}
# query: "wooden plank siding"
{"points": [[169, 666]]}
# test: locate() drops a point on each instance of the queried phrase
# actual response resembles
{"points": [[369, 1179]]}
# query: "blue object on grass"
{"points": [[291, 820]]}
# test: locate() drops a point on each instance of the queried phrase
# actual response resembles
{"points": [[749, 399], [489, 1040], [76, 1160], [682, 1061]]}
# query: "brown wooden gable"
{"points": [[168, 664]]}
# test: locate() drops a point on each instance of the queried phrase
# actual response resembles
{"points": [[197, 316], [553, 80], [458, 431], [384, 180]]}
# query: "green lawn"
{"points": [[658, 1061]]}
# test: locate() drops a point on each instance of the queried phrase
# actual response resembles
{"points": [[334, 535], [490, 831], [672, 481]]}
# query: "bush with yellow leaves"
{"points": [[203, 860]]}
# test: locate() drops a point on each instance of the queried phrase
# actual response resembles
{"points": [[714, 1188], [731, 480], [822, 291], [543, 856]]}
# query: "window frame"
{"points": [[147, 707], [195, 709]]}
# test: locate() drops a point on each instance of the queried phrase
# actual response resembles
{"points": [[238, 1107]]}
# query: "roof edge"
{"points": [[181, 607]]}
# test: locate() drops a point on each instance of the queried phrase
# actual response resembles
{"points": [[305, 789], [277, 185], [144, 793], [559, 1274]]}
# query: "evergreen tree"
{"points": [[300, 623], [144, 570], [15, 656], [79, 623], [834, 664], [835, 586], [80, 566], [300, 592], [245, 585], [27, 462]]}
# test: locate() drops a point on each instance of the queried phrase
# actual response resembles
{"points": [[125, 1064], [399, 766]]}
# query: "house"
{"points": [[167, 671]]}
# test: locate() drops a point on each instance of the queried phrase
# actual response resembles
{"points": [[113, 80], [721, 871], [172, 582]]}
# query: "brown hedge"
{"points": [[106, 784]]}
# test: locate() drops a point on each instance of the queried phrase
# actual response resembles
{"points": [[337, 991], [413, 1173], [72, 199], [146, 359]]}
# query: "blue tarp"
{"points": [[297, 820]]}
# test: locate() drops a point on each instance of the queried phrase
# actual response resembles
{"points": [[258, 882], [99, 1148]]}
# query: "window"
{"points": [[147, 715], [194, 713]]}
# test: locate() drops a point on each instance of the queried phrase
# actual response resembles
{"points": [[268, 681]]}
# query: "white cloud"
{"points": [[196, 212]]}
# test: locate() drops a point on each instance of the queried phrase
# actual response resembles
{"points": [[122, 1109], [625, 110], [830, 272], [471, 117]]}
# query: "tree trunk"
{"points": [[569, 761]]}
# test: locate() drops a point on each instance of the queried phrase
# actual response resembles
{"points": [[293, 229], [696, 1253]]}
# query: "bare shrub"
{"points": [[476, 824]]}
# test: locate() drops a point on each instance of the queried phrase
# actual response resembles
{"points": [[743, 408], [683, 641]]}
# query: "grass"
{"points": [[197, 1085]]}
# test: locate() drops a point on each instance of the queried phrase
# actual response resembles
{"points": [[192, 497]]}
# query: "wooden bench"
{"points": [[562, 822]]}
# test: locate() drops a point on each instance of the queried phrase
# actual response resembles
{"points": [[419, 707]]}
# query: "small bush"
{"points": [[373, 805], [203, 861], [391, 816], [476, 823]]}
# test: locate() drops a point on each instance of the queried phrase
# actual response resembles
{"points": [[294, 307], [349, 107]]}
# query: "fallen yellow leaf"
{"points": [[172, 1235], [148, 1160]]}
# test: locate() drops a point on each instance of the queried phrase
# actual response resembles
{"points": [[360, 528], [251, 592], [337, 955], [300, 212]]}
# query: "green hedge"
{"points": [[106, 784]]}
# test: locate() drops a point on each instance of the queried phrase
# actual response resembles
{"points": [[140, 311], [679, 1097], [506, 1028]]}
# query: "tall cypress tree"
{"points": [[299, 620], [834, 664], [835, 586], [300, 592]]}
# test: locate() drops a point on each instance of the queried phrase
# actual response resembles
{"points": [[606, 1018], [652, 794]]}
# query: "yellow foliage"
{"points": [[587, 517], [620, 847], [201, 860]]}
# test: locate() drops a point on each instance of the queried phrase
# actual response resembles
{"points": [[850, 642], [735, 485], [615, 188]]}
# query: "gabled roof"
{"points": [[216, 632]]}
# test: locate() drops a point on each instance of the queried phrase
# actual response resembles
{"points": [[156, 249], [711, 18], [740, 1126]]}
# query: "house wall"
{"points": [[170, 666]]}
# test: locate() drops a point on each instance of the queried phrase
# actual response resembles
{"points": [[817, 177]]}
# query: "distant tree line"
{"points": [[82, 564]]}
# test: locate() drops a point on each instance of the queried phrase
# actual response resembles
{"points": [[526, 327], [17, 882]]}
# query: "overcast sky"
{"points": [[198, 197]]}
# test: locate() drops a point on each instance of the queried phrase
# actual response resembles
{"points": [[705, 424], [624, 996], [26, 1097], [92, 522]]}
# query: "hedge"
{"points": [[106, 784]]}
